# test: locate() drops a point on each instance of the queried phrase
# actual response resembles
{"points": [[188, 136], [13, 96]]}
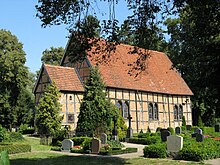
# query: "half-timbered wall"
{"points": [[70, 108], [44, 81], [139, 108]]}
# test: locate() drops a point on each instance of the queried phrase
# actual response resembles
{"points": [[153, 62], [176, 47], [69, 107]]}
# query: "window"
{"points": [[178, 112], [70, 97], [150, 111], [123, 108], [153, 111], [70, 118]]}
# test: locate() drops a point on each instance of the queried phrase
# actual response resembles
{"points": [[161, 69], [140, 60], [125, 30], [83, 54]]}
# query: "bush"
{"points": [[115, 144], [171, 130], [86, 145], [116, 152], [195, 151], [56, 148], [79, 140], [155, 151], [146, 141], [2, 133], [15, 148], [183, 121], [4, 159]]}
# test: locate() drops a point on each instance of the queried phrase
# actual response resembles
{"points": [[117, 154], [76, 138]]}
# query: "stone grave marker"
{"points": [[178, 130], [164, 134], [103, 138], [217, 127], [199, 137], [188, 127], [96, 146], [193, 135], [198, 130], [174, 143], [67, 144]]}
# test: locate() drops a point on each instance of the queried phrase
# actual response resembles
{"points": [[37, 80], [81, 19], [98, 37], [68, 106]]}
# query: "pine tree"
{"points": [[96, 112], [48, 119]]}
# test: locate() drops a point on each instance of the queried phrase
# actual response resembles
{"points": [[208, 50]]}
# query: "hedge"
{"points": [[155, 151], [145, 141], [117, 152], [15, 148], [79, 140]]}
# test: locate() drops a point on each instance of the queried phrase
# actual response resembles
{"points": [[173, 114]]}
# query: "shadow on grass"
{"points": [[69, 160]]}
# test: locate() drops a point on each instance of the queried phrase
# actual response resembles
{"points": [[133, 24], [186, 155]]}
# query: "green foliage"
{"points": [[145, 141], [96, 112], [200, 123], [52, 56], [16, 148], [194, 151], [171, 130], [79, 140], [4, 159], [155, 151], [48, 119], [14, 137], [121, 126], [13, 77], [184, 121], [55, 148], [2, 133], [115, 144], [86, 144], [158, 129], [117, 152]]}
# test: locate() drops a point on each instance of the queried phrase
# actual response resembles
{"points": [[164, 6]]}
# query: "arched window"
{"points": [[155, 112], [125, 110], [180, 112], [150, 111], [175, 111], [119, 105]]}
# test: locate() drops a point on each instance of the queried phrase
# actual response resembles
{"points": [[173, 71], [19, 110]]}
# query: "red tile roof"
{"points": [[65, 78], [159, 76]]}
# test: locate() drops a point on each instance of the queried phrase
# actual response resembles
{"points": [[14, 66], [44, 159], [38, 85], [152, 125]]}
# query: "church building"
{"points": [[154, 97]]}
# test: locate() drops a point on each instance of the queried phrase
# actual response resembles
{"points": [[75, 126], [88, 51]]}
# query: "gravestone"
{"points": [[193, 135], [164, 134], [188, 127], [178, 130], [103, 138], [174, 143], [199, 137], [198, 130], [96, 146], [67, 144], [217, 127]]}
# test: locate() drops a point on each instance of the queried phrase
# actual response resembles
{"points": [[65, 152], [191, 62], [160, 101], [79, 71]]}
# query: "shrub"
{"points": [[86, 145], [116, 152], [184, 121], [171, 130], [79, 140], [115, 144], [155, 151], [15, 148], [2, 133], [4, 159], [194, 151], [146, 141], [56, 148], [14, 137]]}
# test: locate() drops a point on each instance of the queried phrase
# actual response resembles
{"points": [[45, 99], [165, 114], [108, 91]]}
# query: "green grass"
{"points": [[41, 155]]}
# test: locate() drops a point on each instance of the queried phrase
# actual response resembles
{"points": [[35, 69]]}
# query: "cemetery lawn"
{"points": [[41, 155]]}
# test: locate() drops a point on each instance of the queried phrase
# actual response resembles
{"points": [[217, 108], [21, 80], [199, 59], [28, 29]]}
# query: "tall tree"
{"points": [[13, 76], [48, 119], [96, 112], [52, 56], [194, 48]]}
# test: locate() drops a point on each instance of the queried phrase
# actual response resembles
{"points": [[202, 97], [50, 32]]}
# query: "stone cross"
{"points": [[103, 138], [174, 143], [178, 130], [96, 146], [164, 134], [67, 144]]}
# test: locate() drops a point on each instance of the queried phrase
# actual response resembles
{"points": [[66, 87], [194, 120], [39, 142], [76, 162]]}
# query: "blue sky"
{"points": [[18, 17]]}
